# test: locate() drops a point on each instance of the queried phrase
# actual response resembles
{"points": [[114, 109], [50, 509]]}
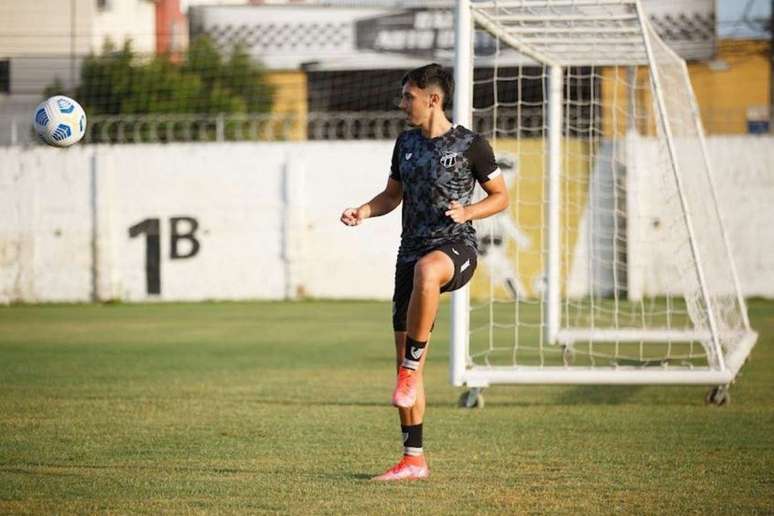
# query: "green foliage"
{"points": [[55, 88], [118, 82]]}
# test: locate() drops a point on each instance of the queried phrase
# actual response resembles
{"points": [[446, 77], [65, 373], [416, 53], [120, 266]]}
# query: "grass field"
{"points": [[283, 408]]}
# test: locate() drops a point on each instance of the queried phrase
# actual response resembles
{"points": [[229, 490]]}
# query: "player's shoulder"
{"points": [[461, 130], [463, 133], [476, 138], [408, 135], [471, 138]]}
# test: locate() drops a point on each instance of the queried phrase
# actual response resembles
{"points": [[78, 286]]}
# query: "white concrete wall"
{"points": [[267, 214], [235, 197], [743, 172], [267, 218], [44, 226]]}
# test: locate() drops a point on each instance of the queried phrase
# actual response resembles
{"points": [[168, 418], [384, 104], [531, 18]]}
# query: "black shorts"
{"points": [[464, 258]]}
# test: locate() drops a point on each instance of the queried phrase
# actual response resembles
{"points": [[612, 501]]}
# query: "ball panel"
{"points": [[64, 105], [61, 133], [41, 117]]}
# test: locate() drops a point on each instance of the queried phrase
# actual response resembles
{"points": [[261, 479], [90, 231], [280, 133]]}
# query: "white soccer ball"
{"points": [[60, 121]]}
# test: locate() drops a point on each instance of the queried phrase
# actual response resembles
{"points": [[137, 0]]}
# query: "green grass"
{"points": [[283, 408]]}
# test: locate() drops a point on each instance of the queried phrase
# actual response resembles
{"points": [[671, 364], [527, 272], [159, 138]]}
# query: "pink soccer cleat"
{"points": [[409, 468], [405, 394]]}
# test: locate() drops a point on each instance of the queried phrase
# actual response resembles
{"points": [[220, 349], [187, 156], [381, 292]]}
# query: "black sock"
{"points": [[412, 439], [414, 351]]}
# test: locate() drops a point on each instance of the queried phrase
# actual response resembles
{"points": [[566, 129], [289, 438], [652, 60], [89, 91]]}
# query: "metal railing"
{"points": [[366, 125]]}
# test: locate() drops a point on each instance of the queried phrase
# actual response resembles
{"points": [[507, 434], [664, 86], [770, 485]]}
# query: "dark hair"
{"points": [[432, 74]]}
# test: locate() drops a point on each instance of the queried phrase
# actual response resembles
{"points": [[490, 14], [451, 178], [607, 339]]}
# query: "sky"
{"points": [[734, 17]]}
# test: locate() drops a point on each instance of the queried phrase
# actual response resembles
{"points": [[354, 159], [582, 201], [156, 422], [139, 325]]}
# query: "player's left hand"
{"points": [[457, 212]]}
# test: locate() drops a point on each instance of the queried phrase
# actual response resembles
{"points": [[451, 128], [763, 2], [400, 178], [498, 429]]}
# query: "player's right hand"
{"points": [[351, 217]]}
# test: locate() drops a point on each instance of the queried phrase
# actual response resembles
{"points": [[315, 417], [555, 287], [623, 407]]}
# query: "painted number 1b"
{"points": [[180, 228]]}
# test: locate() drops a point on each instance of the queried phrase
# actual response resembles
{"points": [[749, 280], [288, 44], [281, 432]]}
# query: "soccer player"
{"points": [[434, 170]]}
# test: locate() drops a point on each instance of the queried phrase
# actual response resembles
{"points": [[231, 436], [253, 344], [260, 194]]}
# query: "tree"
{"points": [[118, 82]]}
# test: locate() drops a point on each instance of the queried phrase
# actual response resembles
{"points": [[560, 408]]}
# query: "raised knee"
{"points": [[426, 275]]}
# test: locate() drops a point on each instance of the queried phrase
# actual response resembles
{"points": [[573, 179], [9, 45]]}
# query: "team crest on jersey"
{"points": [[449, 159]]}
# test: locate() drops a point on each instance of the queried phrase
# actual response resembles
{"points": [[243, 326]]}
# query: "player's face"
{"points": [[418, 103]]}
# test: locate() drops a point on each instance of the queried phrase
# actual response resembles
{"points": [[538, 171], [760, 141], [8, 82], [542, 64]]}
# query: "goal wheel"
{"points": [[718, 395], [472, 399]]}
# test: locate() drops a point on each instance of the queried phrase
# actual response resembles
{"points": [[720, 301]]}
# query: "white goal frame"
{"points": [[634, 48]]}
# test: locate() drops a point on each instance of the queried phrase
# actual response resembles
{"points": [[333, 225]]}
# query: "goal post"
{"points": [[612, 265], [463, 115]]}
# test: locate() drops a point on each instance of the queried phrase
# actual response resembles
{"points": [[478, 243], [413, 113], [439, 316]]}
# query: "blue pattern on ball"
{"points": [[64, 106], [62, 132], [41, 117]]}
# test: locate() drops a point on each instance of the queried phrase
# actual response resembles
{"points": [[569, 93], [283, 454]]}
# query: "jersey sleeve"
{"points": [[482, 160], [395, 166]]}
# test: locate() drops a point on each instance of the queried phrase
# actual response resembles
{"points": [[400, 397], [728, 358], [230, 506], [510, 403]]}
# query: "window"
{"points": [[5, 76]]}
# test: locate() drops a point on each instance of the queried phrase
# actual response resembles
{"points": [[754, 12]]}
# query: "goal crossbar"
{"points": [[596, 32]]}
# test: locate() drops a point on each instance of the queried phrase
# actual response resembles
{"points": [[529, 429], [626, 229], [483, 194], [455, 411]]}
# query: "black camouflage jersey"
{"points": [[434, 172]]}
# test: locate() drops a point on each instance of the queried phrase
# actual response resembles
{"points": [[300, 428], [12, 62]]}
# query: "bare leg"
{"points": [[413, 415], [412, 465], [431, 272]]}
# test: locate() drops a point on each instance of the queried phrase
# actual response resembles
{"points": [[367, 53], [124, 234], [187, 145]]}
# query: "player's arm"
{"points": [[384, 202], [496, 200], [486, 172]]}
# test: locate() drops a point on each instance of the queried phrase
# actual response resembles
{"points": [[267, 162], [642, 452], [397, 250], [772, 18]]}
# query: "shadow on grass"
{"points": [[367, 477], [71, 469], [598, 395], [499, 396], [580, 395], [34, 470], [320, 403], [605, 395], [573, 396]]}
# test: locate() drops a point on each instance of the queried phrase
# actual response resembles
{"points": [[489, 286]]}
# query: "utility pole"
{"points": [[72, 44], [771, 69]]}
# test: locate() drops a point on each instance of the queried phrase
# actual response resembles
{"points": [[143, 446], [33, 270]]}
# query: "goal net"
{"points": [[612, 264]]}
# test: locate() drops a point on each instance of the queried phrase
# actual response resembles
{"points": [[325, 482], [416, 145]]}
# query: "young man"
{"points": [[434, 169]]}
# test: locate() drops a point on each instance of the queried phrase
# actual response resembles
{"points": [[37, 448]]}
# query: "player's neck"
{"points": [[437, 125]]}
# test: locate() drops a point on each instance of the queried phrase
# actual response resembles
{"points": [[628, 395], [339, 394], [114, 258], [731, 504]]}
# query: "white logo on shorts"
{"points": [[408, 155], [465, 265]]}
